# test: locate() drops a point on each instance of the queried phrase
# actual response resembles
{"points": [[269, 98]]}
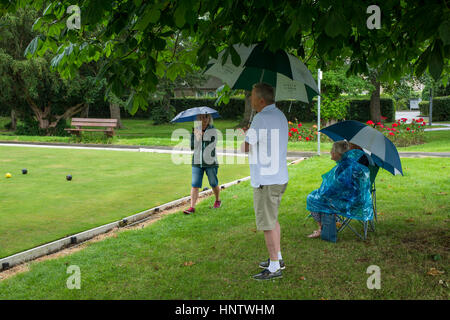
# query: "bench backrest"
{"points": [[93, 122]]}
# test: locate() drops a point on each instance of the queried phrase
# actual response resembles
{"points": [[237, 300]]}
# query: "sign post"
{"points": [[430, 120]]}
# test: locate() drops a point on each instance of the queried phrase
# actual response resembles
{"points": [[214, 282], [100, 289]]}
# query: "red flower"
{"points": [[381, 126], [290, 134], [299, 125], [424, 123], [379, 123], [392, 134], [295, 130], [420, 120], [394, 125], [370, 122], [299, 137], [407, 129], [307, 138], [383, 118]]}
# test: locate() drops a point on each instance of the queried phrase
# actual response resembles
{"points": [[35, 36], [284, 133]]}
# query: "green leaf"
{"points": [[32, 47], [335, 25], [444, 32], [235, 58], [436, 61], [37, 24], [151, 15], [179, 15]]}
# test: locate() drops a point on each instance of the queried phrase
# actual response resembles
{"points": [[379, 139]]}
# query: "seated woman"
{"points": [[345, 189]]}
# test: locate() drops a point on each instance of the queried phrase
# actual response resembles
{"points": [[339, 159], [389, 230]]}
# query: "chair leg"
{"points": [[374, 200], [372, 225], [366, 223], [346, 223]]}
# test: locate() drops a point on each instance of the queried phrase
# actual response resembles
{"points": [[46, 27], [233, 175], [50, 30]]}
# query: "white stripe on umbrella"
{"points": [[289, 88], [372, 140], [229, 73], [301, 73]]}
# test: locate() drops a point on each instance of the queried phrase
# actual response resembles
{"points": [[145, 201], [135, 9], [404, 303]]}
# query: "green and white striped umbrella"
{"points": [[283, 71]]}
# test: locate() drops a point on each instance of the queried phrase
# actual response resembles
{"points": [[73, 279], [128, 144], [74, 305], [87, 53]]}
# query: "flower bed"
{"points": [[402, 134], [297, 132]]}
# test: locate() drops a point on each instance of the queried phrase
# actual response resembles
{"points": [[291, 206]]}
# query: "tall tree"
{"points": [[28, 85], [134, 32]]}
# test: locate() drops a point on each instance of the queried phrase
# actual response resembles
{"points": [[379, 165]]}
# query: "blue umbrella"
{"points": [[192, 113], [379, 147]]}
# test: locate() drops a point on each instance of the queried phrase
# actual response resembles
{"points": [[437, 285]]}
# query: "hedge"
{"points": [[233, 110], [360, 109], [441, 108]]}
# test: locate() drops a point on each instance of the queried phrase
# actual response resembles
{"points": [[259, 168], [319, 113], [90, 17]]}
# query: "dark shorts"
{"points": [[197, 176]]}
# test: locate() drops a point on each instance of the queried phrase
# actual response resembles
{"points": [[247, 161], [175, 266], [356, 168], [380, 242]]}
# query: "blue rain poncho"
{"points": [[345, 189]]}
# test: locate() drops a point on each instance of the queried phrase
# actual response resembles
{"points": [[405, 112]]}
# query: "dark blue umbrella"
{"points": [[379, 147], [192, 113]]}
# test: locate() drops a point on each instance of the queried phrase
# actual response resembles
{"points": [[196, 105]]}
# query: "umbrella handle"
{"points": [[251, 115]]}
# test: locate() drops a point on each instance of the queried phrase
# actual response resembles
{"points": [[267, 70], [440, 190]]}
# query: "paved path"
{"points": [[164, 149]]}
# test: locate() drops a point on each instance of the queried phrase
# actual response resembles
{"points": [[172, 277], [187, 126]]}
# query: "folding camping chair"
{"points": [[367, 225]]}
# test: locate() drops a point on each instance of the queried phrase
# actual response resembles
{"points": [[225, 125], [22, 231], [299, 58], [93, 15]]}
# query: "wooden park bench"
{"points": [[96, 125]]}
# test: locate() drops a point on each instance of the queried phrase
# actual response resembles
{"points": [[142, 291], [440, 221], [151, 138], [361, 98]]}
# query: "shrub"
{"points": [[402, 134], [297, 132], [441, 108], [30, 127], [332, 108], [162, 114], [92, 138]]}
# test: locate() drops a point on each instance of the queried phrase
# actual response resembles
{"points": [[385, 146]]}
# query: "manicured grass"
{"points": [[144, 133], [212, 254], [435, 141], [107, 185]]}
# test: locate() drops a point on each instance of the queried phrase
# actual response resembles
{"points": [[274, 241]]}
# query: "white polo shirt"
{"points": [[268, 137]]}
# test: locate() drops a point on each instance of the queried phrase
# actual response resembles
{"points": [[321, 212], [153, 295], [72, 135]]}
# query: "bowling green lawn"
{"points": [[42, 206], [212, 254]]}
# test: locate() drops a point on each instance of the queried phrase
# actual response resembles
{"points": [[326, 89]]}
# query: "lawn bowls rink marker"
{"points": [[24, 171], [8, 175]]}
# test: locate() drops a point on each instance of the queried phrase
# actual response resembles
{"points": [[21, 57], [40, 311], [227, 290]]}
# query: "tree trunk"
{"points": [[13, 120], [114, 109], [247, 111], [85, 112], [375, 106]]}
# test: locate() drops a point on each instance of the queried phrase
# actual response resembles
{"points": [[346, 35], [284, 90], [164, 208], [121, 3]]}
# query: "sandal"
{"points": [[315, 234]]}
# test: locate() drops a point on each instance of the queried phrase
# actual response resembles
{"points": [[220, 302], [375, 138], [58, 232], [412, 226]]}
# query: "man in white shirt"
{"points": [[266, 141]]}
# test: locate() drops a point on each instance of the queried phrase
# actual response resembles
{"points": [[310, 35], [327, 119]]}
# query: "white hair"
{"points": [[340, 147]]}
